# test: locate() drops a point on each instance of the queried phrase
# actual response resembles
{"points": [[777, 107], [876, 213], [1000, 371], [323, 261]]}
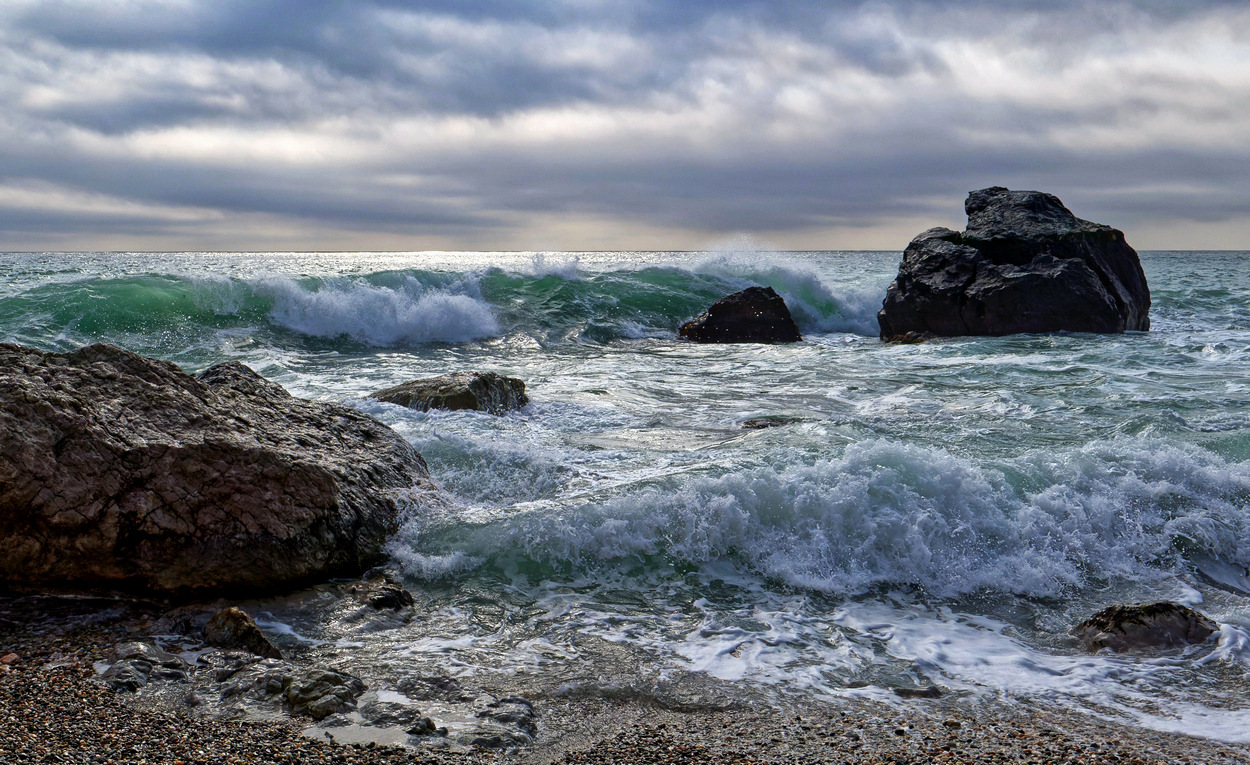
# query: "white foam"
{"points": [[890, 513], [378, 315], [567, 268], [816, 306]]}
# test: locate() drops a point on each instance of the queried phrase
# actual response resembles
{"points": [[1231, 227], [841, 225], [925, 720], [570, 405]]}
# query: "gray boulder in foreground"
{"points": [[1025, 264], [124, 472], [481, 391], [754, 315], [1151, 625]]}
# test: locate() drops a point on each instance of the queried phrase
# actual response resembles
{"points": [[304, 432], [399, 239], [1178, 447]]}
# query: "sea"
{"points": [[785, 525]]}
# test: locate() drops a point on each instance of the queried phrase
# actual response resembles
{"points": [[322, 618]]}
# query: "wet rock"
{"points": [[232, 628], [121, 471], [754, 315], [124, 676], [516, 717], [135, 664], [927, 692], [9, 658], [320, 693], [426, 727], [1123, 628], [391, 597], [224, 665], [763, 423], [388, 713], [260, 680], [480, 391], [1024, 264]]}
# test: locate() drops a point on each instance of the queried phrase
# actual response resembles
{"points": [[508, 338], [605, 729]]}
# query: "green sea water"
{"points": [[938, 513]]}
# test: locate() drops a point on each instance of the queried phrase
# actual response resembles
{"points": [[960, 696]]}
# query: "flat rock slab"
{"points": [[480, 391], [1024, 264], [754, 315], [120, 471]]}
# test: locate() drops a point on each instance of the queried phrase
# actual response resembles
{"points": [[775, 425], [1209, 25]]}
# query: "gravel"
{"points": [[54, 710]]}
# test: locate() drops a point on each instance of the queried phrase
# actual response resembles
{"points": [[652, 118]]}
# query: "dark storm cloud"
{"points": [[451, 118]]}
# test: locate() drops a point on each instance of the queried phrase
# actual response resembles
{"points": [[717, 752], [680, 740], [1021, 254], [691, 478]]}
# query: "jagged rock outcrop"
{"points": [[1025, 264], [121, 471], [754, 315], [481, 391], [1150, 625]]}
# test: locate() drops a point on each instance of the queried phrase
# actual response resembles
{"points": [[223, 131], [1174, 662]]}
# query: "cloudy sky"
{"points": [[611, 124]]}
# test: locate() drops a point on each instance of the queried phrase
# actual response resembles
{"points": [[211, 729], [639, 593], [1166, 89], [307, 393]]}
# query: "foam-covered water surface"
{"points": [[934, 514]]}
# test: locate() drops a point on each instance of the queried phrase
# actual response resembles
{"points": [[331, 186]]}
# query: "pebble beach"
{"points": [[55, 710]]}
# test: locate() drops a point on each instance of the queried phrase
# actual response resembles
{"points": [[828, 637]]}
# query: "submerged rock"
{"points": [[754, 315], [481, 391], [1025, 264], [232, 628], [122, 471], [1152, 625]]}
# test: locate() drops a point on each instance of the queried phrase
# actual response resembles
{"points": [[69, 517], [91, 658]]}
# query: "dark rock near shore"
{"points": [[480, 391], [232, 628], [1025, 264], [754, 315], [134, 664], [122, 471], [1152, 625], [320, 693]]}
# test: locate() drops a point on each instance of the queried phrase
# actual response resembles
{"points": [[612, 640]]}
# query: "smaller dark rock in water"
{"points": [[426, 727], [754, 315], [768, 422], [391, 597], [928, 692], [232, 628], [480, 391], [1150, 625]]}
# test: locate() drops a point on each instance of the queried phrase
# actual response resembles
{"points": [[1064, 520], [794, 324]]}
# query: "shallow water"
{"points": [[926, 514]]}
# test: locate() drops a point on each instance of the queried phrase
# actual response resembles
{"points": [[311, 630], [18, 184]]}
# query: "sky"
{"points": [[612, 124]]}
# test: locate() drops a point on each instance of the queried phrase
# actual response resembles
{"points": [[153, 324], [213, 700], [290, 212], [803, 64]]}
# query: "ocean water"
{"points": [[930, 514]]}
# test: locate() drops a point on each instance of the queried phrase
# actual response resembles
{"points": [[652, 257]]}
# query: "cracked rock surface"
{"points": [[1025, 264], [125, 472]]}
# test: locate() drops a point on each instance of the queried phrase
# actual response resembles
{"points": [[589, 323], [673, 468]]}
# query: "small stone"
{"points": [[9, 658]]}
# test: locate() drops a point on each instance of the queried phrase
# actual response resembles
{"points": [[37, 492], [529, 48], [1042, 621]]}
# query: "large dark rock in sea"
{"points": [[754, 315], [124, 472], [1125, 628], [1025, 264], [480, 391]]}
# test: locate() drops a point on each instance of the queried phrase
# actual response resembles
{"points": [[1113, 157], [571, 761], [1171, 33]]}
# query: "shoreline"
{"points": [[52, 709]]}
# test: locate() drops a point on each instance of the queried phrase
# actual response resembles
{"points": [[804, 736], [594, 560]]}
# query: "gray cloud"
{"points": [[457, 121]]}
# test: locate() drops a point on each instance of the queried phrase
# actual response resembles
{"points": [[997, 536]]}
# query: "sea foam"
{"points": [[381, 315], [888, 513]]}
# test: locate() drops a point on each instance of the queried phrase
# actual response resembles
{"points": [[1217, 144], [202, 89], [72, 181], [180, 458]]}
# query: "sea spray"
{"points": [[885, 513]]}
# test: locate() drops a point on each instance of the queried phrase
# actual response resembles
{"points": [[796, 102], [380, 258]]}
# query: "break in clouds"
{"points": [[582, 124]]}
